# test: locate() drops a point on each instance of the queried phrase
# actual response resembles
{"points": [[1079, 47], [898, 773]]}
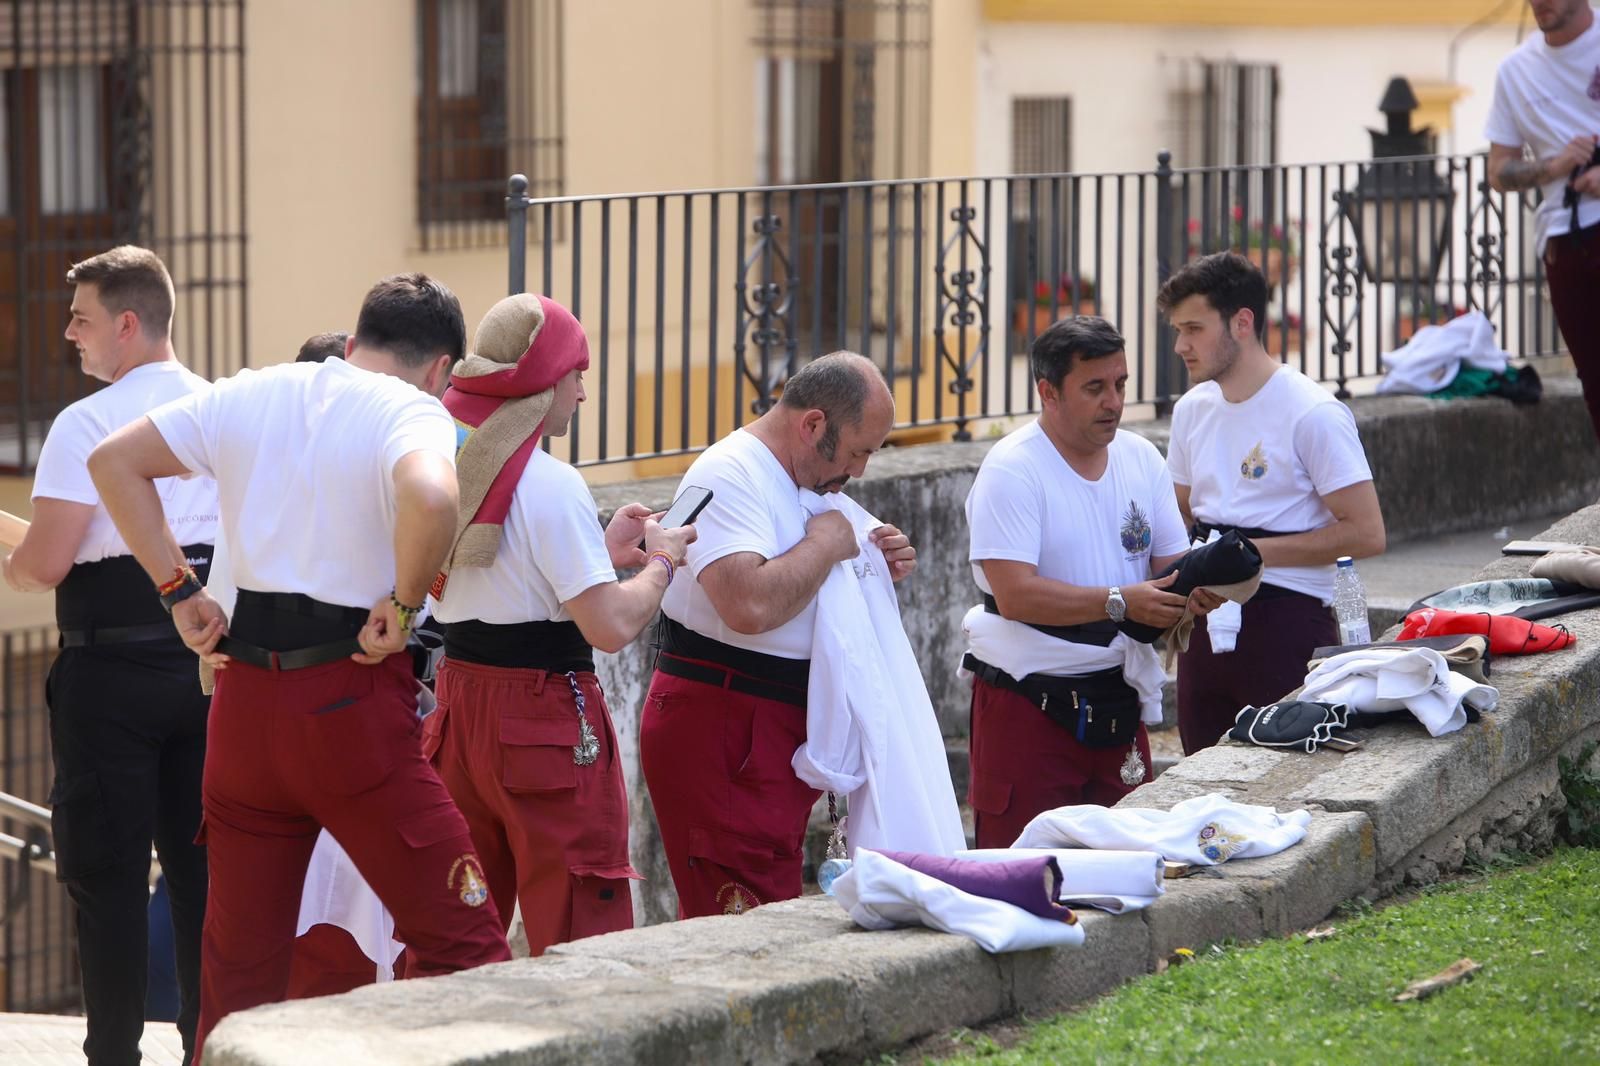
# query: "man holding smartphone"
{"points": [[1547, 99], [522, 736], [726, 708]]}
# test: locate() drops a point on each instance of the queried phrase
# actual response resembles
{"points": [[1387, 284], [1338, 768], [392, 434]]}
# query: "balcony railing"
{"points": [[699, 303]]}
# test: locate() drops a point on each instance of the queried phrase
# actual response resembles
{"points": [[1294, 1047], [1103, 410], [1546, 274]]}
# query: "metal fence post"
{"points": [[517, 233], [1165, 358]]}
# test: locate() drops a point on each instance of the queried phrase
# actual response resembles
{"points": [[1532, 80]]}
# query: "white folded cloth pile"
{"points": [[1393, 678]]}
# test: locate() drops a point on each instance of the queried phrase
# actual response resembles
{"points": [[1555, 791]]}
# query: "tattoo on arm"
{"points": [[1518, 174]]}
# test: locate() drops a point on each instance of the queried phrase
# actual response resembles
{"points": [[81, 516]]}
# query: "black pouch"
{"points": [[1100, 710]]}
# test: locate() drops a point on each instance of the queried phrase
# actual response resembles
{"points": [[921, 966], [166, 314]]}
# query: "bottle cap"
{"points": [[1345, 560]]}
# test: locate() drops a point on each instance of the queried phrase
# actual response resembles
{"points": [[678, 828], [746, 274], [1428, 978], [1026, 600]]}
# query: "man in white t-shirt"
{"points": [[1069, 516], [127, 718], [522, 736], [337, 496], [1547, 101], [726, 708], [1259, 447]]}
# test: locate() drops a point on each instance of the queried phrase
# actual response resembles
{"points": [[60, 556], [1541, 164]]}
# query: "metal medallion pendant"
{"points": [[1132, 768], [587, 749], [837, 857]]}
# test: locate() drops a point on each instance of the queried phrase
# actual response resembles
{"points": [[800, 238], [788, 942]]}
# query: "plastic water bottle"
{"points": [[1350, 603]]}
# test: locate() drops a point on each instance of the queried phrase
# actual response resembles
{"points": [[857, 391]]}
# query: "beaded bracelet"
{"points": [[666, 561], [406, 615]]}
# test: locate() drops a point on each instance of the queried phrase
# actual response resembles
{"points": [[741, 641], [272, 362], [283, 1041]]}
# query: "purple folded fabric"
{"points": [[1032, 884]]}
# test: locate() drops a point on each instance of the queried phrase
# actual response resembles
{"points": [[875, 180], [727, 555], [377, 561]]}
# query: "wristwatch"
{"points": [[1116, 606]]}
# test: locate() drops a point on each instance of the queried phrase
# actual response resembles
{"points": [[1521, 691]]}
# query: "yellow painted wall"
{"points": [[1251, 12]]}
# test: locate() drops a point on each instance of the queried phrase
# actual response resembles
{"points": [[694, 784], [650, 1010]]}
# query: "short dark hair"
{"points": [[1073, 337], [322, 347], [1229, 282], [414, 318], [130, 278], [837, 384]]}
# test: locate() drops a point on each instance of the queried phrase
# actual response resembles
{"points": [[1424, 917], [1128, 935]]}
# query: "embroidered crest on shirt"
{"points": [[1594, 85], [1135, 531], [1254, 467], [736, 899], [466, 880], [1219, 843]]}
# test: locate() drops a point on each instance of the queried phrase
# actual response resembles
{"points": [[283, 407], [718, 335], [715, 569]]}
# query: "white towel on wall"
{"points": [[1435, 354], [1108, 880], [1418, 680], [1206, 829]]}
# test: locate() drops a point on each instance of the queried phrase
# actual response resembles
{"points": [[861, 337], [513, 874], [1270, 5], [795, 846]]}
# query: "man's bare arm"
{"points": [[125, 467], [425, 501], [1356, 531], [1510, 172], [47, 551], [756, 595]]}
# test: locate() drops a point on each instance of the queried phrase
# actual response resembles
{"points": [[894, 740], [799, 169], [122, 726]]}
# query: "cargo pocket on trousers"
{"points": [[602, 899], [536, 754], [988, 796], [80, 827]]}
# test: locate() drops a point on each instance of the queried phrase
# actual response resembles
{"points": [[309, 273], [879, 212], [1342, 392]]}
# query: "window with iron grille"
{"points": [[1040, 245], [122, 121], [1225, 115], [489, 104]]}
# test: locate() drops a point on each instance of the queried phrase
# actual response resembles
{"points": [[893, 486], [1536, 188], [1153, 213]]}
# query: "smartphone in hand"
{"points": [[685, 509]]}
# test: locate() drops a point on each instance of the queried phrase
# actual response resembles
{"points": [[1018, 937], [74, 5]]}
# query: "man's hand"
{"points": [[202, 622], [1588, 183], [382, 636], [623, 534], [1148, 602], [1203, 602], [1574, 156], [675, 542], [897, 550], [833, 531]]}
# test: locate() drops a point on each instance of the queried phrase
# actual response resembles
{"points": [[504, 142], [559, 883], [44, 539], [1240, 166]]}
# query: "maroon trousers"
{"points": [[553, 835], [1572, 262], [1276, 639], [732, 812], [335, 746], [1023, 764]]}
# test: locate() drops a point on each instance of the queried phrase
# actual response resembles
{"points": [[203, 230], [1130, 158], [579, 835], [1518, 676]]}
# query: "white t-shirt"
{"points": [[63, 471], [1543, 98], [304, 457], [1028, 505], [1267, 463], [552, 550], [755, 508]]}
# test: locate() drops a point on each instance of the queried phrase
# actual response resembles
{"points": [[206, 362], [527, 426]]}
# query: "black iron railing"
{"points": [[698, 304], [40, 957]]}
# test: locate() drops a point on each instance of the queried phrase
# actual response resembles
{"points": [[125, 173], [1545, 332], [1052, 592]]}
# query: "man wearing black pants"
{"points": [[127, 718]]}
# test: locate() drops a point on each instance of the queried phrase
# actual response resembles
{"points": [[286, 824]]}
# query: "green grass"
{"points": [[1537, 999]]}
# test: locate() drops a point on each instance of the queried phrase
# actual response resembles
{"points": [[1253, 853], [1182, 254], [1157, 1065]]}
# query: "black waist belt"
{"points": [[146, 634], [1099, 634], [290, 631], [116, 594], [1101, 710], [1202, 530], [555, 646], [695, 657]]}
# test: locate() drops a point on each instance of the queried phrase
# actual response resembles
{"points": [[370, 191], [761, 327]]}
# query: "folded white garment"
{"points": [[1205, 830], [1397, 678], [879, 893], [1435, 354], [871, 731], [1021, 650], [336, 894], [1109, 880]]}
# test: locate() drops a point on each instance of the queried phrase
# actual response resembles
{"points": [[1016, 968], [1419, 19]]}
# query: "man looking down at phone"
{"points": [[522, 736], [1069, 517], [726, 708], [1547, 99]]}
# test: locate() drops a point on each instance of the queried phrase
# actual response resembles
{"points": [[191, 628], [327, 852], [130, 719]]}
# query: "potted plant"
{"points": [[1273, 247], [1069, 297]]}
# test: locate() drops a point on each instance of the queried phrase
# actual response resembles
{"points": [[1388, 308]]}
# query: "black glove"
{"points": [[1299, 724]]}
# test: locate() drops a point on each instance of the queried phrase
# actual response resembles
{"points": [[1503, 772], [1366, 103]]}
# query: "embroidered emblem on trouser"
{"points": [[736, 899], [587, 749], [466, 879]]}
